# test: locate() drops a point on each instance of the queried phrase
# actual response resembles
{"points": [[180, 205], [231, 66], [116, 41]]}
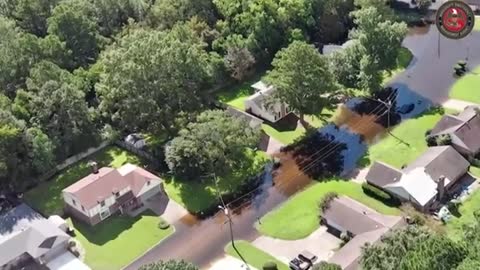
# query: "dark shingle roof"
{"points": [[381, 174], [463, 129], [440, 160]]}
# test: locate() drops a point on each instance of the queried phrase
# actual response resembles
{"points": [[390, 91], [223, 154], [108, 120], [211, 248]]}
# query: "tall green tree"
{"points": [[111, 15], [149, 77], [239, 61], [74, 22], [164, 14], [169, 265], [302, 78], [214, 143], [438, 252], [57, 105], [382, 38], [390, 251], [30, 15], [18, 52]]}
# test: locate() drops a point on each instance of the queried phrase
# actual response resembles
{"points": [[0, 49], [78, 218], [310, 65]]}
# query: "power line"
{"points": [[328, 152]]}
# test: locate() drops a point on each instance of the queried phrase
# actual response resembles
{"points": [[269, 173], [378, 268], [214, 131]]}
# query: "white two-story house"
{"points": [[262, 104], [108, 190]]}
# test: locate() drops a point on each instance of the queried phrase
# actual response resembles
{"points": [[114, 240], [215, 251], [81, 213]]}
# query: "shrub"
{"points": [[345, 237], [431, 140], [376, 192], [476, 162], [427, 133], [323, 265], [325, 201], [270, 266], [444, 139], [163, 225]]}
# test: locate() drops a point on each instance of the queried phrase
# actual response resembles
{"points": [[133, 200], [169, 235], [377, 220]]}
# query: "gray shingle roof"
{"points": [[381, 174], [22, 230], [440, 160], [463, 129]]}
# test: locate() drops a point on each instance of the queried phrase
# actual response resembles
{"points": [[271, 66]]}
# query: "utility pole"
{"points": [[389, 108], [227, 213]]}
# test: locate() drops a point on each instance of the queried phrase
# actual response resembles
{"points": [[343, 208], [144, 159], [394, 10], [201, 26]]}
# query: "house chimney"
{"points": [[94, 166], [441, 186]]}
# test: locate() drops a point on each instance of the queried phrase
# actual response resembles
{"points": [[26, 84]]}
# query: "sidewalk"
{"points": [[458, 105]]}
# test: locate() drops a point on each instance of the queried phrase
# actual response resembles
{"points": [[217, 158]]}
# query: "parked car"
{"points": [[299, 264], [303, 261]]}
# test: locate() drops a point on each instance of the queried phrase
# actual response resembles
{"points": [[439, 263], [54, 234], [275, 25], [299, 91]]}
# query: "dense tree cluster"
{"points": [[214, 143], [72, 71], [419, 248]]}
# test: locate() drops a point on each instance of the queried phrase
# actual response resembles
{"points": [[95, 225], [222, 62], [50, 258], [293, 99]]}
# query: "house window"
{"points": [[102, 203], [74, 202], [117, 194], [105, 214]]}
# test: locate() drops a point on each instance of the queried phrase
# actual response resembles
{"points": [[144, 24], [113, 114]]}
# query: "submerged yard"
{"points": [[394, 152], [299, 216], [196, 196], [118, 240]]}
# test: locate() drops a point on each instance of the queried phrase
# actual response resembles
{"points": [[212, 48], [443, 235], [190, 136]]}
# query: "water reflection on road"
{"points": [[202, 241]]}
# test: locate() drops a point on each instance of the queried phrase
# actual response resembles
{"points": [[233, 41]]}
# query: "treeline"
{"points": [[74, 72], [418, 248]]}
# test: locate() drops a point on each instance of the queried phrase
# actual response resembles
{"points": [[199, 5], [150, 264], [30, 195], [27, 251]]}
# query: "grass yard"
{"points": [[454, 226], [118, 240], [475, 171], [476, 27], [236, 95], [467, 87], [403, 60], [252, 255], [47, 197], [412, 131], [197, 196], [299, 216]]}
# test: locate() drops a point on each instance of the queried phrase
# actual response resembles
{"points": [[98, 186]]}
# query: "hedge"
{"points": [[376, 192]]}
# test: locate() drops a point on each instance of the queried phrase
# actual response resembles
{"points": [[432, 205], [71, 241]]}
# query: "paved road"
{"points": [[429, 74]]}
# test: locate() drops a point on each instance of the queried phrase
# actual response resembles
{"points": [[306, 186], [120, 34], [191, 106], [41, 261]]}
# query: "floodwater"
{"points": [[202, 241]]}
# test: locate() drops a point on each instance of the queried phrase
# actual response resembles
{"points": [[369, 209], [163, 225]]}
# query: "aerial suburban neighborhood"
{"points": [[231, 135]]}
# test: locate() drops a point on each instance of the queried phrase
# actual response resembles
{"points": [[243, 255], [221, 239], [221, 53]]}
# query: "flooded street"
{"points": [[202, 241]]}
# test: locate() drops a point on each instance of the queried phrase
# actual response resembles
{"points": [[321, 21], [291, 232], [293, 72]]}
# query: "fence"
{"points": [[138, 152], [71, 160]]}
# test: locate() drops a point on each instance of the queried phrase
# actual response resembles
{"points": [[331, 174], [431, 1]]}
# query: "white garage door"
{"points": [[67, 261]]}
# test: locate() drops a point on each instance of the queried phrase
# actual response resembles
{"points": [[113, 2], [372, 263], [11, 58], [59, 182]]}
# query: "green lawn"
{"points": [[299, 216], [467, 87], [397, 154], [475, 171], [236, 95], [252, 255], [47, 197], [403, 60], [196, 196], [477, 23], [118, 240], [472, 204]]}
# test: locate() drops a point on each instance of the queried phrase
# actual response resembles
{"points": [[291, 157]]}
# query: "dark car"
{"points": [[304, 261], [299, 264]]}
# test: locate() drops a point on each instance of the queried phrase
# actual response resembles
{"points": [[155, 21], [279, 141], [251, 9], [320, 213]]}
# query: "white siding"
{"points": [[108, 202], [68, 198]]}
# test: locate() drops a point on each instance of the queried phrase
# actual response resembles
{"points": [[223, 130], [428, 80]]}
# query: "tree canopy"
{"points": [[302, 78], [214, 143]]}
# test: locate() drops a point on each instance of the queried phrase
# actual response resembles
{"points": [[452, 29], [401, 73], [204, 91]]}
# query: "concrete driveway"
{"points": [[321, 243], [166, 208]]}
